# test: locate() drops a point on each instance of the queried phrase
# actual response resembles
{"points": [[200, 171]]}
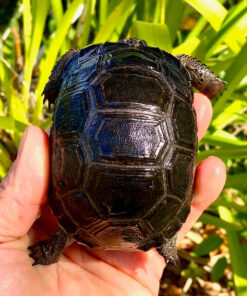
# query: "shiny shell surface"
{"points": [[123, 143]]}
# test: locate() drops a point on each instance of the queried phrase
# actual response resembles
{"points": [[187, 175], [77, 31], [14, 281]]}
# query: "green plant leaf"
{"points": [[57, 10], [223, 139], [9, 123], [223, 153], [228, 29], [5, 158], [234, 75], [237, 181], [215, 13], [84, 24], [236, 253], [228, 114], [209, 244], [39, 8], [122, 11], [231, 205], [156, 35], [193, 271], [27, 26], [103, 9], [218, 269], [174, 15], [51, 55], [213, 220], [187, 47], [212, 10]]}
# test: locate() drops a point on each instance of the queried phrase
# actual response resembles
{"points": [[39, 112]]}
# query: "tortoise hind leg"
{"points": [[202, 78], [165, 247], [168, 251], [48, 251]]}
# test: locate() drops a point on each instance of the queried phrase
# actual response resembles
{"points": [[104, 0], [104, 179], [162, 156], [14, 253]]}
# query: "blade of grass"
{"points": [[5, 160], [234, 75], [5, 78], [156, 17], [148, 6], [119, 30], [223, 153], [162, 12], [229, 27], [3, 171], [57, 10], [17, 108], [83, 26], [201, 23], [223, 139], [218, 66], [212, 10], [235, 9], [156, 35], [231, 205], [215, 13], [228, 114], [9, 123], [122, 11], [243, 26], [237, 181], [240, 97], [112, 5], [51, 55], [187, 47], [103, 9], [174, 15], [213, 220], [27, 26], [236, 254], [46, 124], [40, 11]]}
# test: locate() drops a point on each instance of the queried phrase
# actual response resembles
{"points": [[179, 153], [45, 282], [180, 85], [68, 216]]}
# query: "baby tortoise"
{"points": [[123, 147]]}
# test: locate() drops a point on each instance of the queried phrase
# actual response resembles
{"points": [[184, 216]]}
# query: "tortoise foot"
{"points": [[168, 251], [48, 251]]}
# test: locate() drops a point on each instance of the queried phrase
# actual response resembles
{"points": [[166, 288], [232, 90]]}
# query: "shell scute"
{"points": [[160, 216], [180, 173], [183, 121], [124, 194]]}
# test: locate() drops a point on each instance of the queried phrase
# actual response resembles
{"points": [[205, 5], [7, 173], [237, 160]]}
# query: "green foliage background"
{"points": [[214, 31]]}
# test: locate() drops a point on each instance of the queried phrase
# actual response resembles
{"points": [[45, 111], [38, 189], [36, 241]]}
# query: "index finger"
{"points": [[204, 111]]}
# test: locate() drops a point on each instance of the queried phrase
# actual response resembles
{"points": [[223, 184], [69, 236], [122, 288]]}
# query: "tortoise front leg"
{"points": [[202, 77], [52, 87]]}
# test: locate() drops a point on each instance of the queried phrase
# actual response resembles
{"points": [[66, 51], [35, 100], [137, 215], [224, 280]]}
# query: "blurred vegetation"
{"points": [[35, 33]]}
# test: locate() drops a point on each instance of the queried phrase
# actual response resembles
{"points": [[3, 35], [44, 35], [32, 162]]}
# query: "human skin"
{"points": [[80, 270]]}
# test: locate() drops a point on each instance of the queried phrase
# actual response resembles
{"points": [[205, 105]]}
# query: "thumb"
{"points": [[24, 189]]}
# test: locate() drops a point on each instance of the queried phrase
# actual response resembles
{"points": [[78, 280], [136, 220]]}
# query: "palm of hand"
{"points": [[80, 271]]}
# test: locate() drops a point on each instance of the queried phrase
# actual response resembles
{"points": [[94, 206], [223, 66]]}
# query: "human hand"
{"points": [[80, 271]]}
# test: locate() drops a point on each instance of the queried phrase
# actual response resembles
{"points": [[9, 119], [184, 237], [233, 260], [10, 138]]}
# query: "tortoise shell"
{"points": [[123, 144]]}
